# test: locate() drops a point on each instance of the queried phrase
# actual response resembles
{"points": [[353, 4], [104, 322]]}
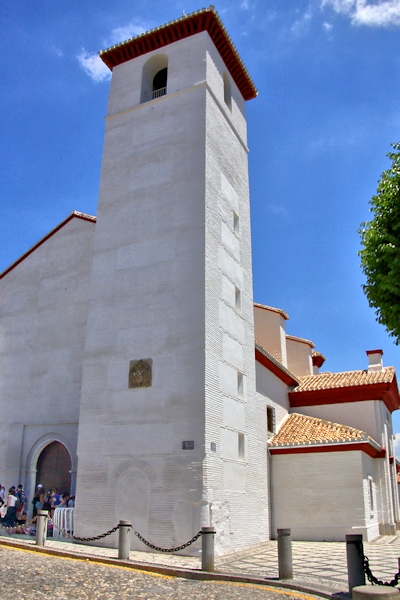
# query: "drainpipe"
{"points": [[270, 495]]}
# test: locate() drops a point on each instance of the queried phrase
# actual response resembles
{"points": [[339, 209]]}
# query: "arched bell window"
{"points": [[154, 77], [160, 83]]}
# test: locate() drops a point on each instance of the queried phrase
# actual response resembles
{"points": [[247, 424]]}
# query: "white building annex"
{"points": [[136, 369]]}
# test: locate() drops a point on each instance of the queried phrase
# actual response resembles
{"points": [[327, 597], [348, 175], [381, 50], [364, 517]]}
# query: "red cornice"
{"points": [[73, 215], [360, 446], [271, 366], [204, 20], [386, 392]]}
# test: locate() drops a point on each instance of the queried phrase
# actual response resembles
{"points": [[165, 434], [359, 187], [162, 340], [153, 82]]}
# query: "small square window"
{"points": [[235, 222], [240, 446], [270, 419], [238, 299], [240, 384]]}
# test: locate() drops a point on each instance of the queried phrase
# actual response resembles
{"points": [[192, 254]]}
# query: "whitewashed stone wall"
{"points": [[364, 415], [235, 476], [323, 496], [164, 226], [43, 308]]}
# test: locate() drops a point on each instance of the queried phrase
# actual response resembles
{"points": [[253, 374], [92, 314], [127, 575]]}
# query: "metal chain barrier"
{"points": [[159, 549], [371, 577], [82, 539], [114, 529]]}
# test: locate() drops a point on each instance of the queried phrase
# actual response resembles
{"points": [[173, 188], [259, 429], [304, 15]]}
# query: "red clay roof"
{"points": [[324, 381], [274, 366], [299, 429], [302, 434], [272, 309], [206, 19], [301, 340]]}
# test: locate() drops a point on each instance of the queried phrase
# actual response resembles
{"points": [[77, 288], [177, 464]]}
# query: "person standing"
{"points": [[10, 517]]}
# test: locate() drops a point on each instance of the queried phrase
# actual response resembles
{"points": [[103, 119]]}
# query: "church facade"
{"points": [[136, 368]]}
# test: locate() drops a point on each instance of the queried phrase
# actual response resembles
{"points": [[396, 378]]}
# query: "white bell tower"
{"points": [[170, 434]]}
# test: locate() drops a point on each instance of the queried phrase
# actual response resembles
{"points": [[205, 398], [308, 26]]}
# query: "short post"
{"points": [[355, 564], [285, 562], [207, 548], [124, 540], [41, 527]]}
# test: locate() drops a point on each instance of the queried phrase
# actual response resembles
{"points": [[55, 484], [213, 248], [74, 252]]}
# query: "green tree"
{"points": [[380, 257]]}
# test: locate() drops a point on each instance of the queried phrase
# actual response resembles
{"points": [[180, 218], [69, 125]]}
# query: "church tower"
{"points": [[171, 434]]}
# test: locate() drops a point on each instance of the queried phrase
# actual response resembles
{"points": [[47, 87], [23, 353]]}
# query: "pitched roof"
{"points": [[206, 19], [301, 434], [299, 429], [327, 380], [74, 214], [272, 309], [299, 339], [273, 365]]}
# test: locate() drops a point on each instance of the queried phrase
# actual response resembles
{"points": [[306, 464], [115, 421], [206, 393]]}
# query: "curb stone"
{"points": [[176, 571]]}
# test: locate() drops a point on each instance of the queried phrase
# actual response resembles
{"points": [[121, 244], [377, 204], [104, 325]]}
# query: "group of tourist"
{"points": [[13, 507]]}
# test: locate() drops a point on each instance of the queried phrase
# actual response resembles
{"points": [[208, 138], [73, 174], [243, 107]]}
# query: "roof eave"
{"points": [[186, 26]]}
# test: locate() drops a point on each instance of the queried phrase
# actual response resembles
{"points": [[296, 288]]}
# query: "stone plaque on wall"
{"points": [[140, 373]]}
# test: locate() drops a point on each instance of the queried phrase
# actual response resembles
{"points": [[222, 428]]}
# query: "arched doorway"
{"points": [[53, 468]]}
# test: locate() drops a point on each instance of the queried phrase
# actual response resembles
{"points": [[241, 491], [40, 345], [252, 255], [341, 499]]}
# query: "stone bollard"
{"points": [[124, 540], [207, 548], [41, 527], [355, 565], [375, 592], [285, 561]]}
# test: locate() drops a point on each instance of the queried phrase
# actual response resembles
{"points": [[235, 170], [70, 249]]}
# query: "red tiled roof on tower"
{"points": [[206, 19]]}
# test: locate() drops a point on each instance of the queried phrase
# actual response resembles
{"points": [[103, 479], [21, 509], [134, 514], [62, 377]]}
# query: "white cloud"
{"points": [[381, 13], [120, 34], [244, 5], [301, 25], [94, 66], [327, 26]]}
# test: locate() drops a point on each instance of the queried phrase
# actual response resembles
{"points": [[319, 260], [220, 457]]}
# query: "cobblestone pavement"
{"points": [[317, 565], [25, 574]]}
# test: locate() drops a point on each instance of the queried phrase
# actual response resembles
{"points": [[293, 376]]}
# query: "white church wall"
{"points": [[43, 306], [320, 496], [372, 485], [363, 415], [236, 472], [299, 360], [270, 332], [274, 391], [147, 301]]}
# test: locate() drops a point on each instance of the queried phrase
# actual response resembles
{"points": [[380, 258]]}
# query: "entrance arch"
{"points": [[53, 468]]}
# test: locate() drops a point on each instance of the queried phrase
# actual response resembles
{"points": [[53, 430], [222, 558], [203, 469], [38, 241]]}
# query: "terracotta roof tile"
{"points": [[301, 429], [272, 309], [325, 381], [299, 339]]}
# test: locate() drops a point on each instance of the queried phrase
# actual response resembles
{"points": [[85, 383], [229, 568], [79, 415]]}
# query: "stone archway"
{"points": [[53, 468]]}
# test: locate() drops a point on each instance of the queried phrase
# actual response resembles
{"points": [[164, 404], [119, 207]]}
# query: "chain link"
{"points": [[114, 529], [159, 549], [370, 576], [82, 539]]}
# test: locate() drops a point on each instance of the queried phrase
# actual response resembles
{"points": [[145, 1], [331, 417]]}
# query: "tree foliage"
{"points": [[380, 257]]}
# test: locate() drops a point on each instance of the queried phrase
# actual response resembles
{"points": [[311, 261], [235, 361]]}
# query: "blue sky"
{"points": [[328, 108]]}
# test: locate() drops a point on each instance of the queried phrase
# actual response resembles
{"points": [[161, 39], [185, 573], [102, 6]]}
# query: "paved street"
{"points": [[317, 566], [25, 575]]}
